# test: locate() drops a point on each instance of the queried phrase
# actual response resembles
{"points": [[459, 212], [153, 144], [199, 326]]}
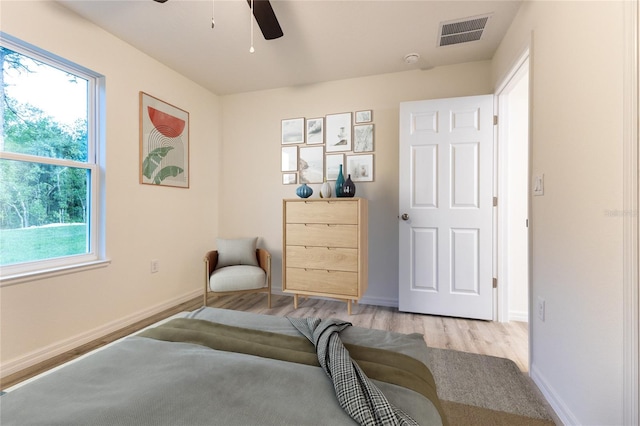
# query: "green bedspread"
{"points": [[378, 364]]}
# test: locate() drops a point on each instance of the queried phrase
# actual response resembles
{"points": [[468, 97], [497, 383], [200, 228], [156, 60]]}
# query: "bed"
{"points": [[170, 374]]}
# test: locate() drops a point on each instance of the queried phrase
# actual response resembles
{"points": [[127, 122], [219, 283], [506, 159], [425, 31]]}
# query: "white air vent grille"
{"points": [[462, 31]]}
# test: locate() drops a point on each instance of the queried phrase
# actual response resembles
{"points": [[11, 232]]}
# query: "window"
{"points": [[49, 170]]}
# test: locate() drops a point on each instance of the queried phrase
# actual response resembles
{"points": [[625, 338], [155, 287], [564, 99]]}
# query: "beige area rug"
{"points": [[485, 390]]}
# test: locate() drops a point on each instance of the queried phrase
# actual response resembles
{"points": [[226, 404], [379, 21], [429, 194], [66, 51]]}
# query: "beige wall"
{"points": [[577, 102], [143, 222], [251, 189]]}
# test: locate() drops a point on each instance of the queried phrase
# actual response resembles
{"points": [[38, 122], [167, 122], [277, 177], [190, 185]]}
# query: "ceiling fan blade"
{"points": [[266, 19]]}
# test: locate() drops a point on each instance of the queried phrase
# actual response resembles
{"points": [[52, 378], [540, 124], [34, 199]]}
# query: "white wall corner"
{"points": [[551, 395]]}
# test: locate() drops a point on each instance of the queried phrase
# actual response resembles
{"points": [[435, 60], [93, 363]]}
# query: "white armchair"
{"points": [[237, 266]]}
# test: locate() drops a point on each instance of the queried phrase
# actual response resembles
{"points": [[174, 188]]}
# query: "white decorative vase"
{"points": [[325, 190]]}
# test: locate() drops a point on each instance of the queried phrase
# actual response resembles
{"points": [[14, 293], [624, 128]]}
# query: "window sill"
{"points": [[9, 280]]}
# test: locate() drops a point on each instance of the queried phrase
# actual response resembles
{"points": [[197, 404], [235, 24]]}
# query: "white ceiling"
{"points": [[323, 40]]}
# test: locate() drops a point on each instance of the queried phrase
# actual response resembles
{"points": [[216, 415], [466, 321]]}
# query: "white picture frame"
{"points": [[363, 138], [338, 132], [364, 116], [292, 131], [289, 178], [311, 164], [315, 131], [289, 161], [332, 165], [360, 167]]}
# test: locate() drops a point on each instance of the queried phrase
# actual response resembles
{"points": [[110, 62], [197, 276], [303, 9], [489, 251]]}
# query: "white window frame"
{"points": [[95, 257]]}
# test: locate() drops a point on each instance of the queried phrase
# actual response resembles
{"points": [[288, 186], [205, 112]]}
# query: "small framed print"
{"points": [[364, 116], [311, 164], [292, 131], [360, 167], [363, 138], [315, 131], [289, 159], [338, 132], [289, 178], [332, 165]]}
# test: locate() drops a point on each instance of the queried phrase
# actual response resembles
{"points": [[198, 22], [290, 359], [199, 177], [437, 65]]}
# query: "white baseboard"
{"points": [[562, 411], [55, 349], [522, 316]]}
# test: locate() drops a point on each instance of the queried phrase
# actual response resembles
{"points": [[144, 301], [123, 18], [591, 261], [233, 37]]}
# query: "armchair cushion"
{"points": [[239, 251], [238, 277]]}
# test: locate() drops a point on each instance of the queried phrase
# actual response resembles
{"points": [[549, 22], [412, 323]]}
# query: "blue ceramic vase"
{"points": [[304, 191], [339, 183]]}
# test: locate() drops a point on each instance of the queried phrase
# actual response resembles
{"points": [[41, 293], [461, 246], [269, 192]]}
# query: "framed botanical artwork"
{"points": [[315, 131], [363, 138], [311, 164], [364, 116], [164, 143], [289, 159], [360, 167], [332, 165], [289, 178], [338, 132], [292, 131]]}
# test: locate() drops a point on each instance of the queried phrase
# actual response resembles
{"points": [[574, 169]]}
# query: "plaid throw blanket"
{"points": [[357, 395]]}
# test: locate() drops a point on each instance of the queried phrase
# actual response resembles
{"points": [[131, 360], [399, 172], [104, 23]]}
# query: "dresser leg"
{"points": [[349, 306], [295, 301]]}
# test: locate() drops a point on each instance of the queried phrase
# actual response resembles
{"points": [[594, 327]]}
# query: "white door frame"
{"points": [[501, 174], [631, 223]]}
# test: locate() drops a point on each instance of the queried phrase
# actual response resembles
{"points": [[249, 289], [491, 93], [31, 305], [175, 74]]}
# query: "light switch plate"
{"points": [[538, 185]]}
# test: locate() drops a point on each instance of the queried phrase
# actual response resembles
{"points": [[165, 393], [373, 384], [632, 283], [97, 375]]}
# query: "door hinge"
{"points": [[495, 201], [495, 120], [495, 283]]}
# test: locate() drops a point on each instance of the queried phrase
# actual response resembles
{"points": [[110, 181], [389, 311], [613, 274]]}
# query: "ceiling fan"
{"points": [[265, 17]]}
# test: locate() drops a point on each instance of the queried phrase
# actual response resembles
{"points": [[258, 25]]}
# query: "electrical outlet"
{"points": [[541, 308], [155, 266]]}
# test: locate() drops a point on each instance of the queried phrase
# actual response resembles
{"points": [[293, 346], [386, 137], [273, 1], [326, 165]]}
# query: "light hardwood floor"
{"points": [[506, 340]]}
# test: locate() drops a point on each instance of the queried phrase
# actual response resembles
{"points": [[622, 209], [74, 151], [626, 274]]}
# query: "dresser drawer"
{"points": [[319, 235], [322, 281], [322, 212], [328, 258]]}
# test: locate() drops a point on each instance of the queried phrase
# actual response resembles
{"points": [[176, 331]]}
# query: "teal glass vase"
{"points": [[340, 183]]}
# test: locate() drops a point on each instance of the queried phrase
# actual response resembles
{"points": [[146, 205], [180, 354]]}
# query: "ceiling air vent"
{"points": [[462, 31]]}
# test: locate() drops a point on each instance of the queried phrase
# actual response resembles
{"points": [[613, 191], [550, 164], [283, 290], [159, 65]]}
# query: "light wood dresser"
{"points": [[325, 248]]}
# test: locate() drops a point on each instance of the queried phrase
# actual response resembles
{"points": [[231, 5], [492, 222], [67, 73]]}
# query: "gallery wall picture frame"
{"points": [[289, 159], [315, 131], [338, 132], [364, 116], [332, 165], [164, 143], [360, 167], [292, 131], [289, 178], [363, 138], [311, 164]]}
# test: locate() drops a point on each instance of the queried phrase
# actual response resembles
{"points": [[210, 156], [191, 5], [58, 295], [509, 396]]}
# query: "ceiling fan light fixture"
{"points": [[411, 58]]}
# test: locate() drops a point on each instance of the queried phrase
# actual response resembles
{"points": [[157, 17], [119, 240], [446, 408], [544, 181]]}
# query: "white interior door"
{"points": [[446, 207]]}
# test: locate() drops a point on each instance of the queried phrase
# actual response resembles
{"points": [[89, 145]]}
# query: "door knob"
{"points": [[405, 216]]}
